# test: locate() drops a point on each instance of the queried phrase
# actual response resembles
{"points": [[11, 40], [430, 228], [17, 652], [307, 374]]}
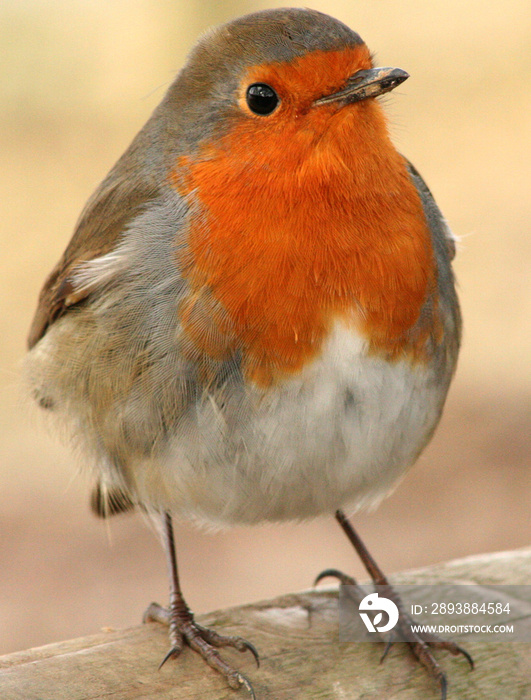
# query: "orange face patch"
{"points": [[307, 215], [301, 82]]}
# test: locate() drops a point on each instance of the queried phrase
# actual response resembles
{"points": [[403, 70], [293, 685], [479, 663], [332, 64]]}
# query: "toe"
{"points": [[156, 613], [219, 640]]}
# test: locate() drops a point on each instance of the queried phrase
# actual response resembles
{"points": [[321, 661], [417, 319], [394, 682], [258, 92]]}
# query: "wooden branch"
{"points": [[301, 657]]}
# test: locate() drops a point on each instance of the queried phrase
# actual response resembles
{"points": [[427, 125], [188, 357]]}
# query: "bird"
{"points": [[256, 318]]}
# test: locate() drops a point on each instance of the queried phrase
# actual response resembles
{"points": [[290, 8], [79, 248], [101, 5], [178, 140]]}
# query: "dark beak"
{"points": [[365, 84]]}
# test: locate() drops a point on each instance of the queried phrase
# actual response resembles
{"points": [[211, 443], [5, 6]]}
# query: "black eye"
{"points": [[261, 98]]}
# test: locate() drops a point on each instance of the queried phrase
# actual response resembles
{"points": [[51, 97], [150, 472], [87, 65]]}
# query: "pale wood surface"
{"points": [[300, 655]]}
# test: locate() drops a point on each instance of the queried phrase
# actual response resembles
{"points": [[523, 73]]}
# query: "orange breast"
{"points": [[302, 222]]}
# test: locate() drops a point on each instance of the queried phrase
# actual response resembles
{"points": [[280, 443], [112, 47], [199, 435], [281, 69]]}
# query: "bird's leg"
{"points": [[419, 643], [185, 630]]}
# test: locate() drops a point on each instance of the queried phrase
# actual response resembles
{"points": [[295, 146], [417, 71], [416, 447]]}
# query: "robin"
{"points": [[255, 319]]}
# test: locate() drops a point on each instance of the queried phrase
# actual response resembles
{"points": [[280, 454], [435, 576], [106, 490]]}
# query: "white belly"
{"points": [[338, 435]]}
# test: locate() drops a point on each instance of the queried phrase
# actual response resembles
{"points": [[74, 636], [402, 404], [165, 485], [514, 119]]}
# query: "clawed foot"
{"points": [[184, 630], [419, 643]]}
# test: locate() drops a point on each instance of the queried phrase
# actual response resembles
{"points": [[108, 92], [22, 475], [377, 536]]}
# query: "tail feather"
{"points": [[106, 501]]}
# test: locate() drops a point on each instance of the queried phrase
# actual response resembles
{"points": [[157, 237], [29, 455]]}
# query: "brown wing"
{"points": [[107, 213]]}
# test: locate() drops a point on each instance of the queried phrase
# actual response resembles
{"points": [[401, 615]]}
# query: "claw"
{"points": [[335, 573], [243, 680], [387, 649], [254, 651], [460, 650], [172, 653], [444, 686]]}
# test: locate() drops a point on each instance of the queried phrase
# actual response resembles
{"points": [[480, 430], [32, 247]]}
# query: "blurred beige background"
{"points": [[77, 81]]}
